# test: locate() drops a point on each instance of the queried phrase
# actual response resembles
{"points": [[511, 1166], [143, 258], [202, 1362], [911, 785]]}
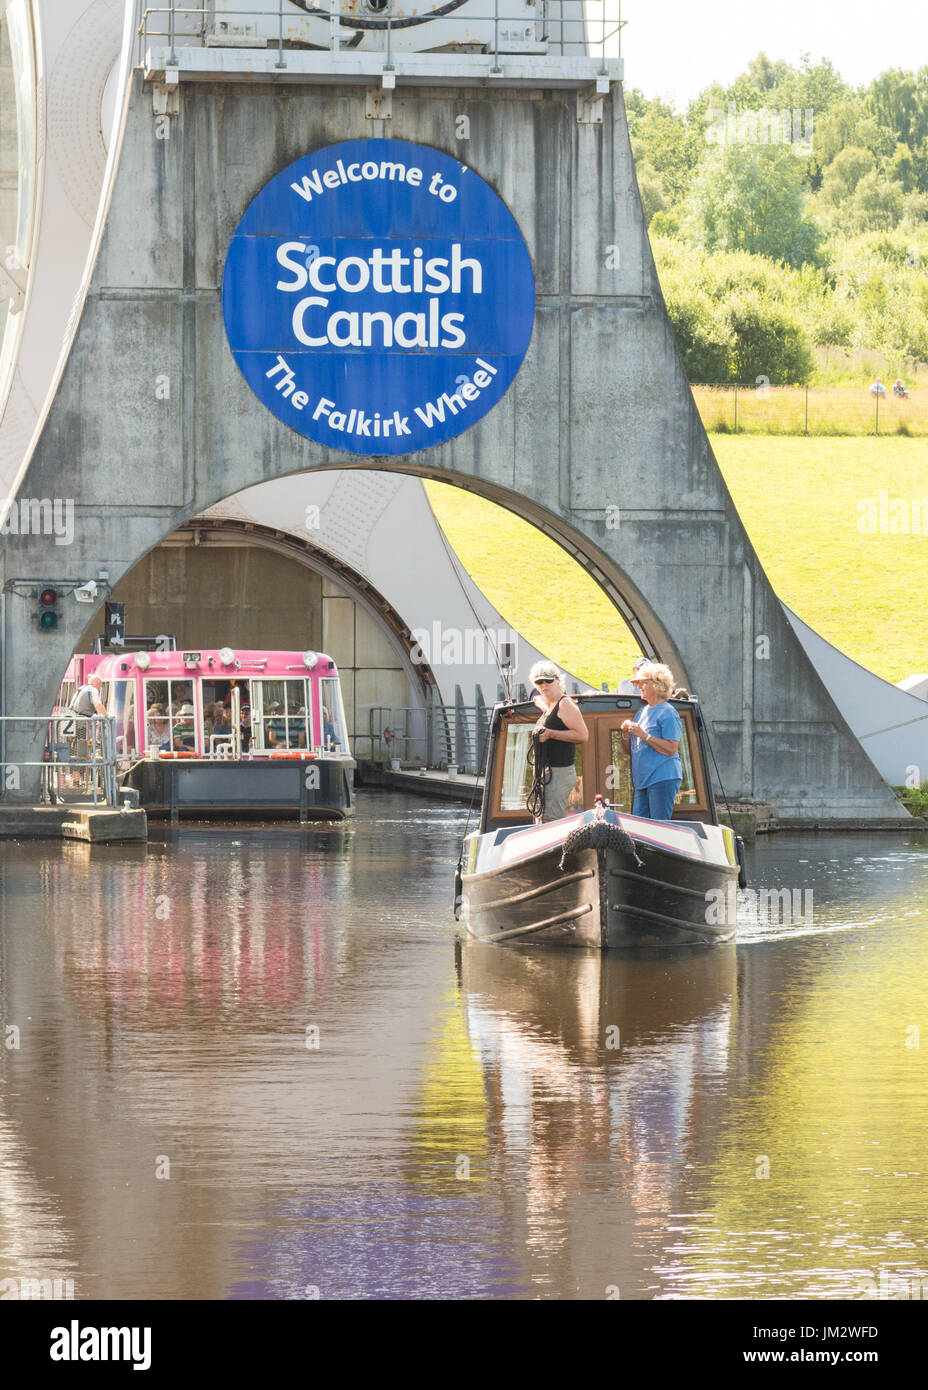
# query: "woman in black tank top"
{"points": [[557, 753], [560, 728]]}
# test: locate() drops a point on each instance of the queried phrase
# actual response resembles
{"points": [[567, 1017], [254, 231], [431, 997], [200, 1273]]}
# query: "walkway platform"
{"points": [[96, 825], [427, 782]]}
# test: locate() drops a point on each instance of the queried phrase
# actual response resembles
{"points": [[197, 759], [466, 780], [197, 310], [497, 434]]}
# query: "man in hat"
{"points": [[628, 687]]}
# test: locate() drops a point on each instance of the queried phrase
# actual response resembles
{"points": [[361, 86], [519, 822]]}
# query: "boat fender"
{"points": [[742, 867], [458, 892], [166, 753], [600, 835]]}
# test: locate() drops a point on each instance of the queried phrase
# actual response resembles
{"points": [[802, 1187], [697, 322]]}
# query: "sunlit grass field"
{"points": [[832, 410], [800, 500]]}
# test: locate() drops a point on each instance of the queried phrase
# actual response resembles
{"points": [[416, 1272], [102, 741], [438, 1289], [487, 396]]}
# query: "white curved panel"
{"points": [[77, 43], [891, 724], [381, 525]]}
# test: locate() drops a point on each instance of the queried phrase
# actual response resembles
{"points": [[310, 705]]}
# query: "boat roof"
{"points": [[218, 663], [593, 700]]}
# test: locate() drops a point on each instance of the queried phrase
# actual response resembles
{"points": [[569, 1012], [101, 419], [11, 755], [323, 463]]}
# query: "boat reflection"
{"points": [[602, 1075]]}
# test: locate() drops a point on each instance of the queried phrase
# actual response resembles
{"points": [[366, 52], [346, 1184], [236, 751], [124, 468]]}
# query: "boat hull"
{"points": [[259, 789], [603, 899]]}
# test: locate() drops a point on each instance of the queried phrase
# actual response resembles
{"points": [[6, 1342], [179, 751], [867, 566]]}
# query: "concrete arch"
{"points": [[599, 416], [226, 530]]}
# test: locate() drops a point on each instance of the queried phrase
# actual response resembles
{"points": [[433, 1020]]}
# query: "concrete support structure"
{"points": [[598, 441]]}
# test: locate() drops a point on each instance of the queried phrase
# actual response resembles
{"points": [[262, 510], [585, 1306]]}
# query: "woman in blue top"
{"points": [[653, 740]]}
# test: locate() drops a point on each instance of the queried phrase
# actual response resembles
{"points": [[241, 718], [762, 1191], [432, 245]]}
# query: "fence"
{"points": [[560, 27], [78, 760], [811, 410], [437, 736]]}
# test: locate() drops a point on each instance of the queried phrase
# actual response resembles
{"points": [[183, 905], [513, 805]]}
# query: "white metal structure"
{"points": [[891, 723], [71, 61], [576, 27]]}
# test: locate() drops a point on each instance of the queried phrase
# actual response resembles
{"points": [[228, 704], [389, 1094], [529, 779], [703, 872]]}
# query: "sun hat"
{"points": [[545, 671]]}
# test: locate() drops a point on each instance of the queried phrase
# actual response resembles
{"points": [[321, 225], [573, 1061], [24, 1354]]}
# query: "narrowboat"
{"points": [[600, 877], [220, 732]]}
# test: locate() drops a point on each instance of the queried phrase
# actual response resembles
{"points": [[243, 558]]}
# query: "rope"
{"points": [[718, 776], [600, 835], [541, 777]]}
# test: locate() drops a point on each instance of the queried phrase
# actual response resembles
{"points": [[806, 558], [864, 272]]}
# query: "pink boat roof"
{"points": [[276, 665]]}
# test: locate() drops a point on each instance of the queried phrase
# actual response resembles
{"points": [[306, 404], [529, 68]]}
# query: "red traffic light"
{"points": [[48, 608]]}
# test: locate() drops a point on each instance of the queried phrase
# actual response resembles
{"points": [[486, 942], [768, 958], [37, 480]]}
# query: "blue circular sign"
{"points": [[378, 297]]}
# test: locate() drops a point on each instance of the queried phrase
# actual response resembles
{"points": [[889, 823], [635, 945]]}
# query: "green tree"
{"points": [[844, 173], [876, 204], [767, 341], [898, 101], [751, 198]]}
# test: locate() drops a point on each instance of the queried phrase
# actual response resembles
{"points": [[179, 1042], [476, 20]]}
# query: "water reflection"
{"points": [[603, 1076], [738, 1122]]}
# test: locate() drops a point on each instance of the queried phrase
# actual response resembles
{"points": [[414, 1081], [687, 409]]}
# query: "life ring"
{"points": [[184, 753], [298, 754]]}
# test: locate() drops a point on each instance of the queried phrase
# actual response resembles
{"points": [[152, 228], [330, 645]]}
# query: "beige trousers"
{"points": [[557, 791]]}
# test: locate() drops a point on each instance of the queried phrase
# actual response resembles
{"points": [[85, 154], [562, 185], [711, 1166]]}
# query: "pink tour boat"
{"points": [[220, 732]]}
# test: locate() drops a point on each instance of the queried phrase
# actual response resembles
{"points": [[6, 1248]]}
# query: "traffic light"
{"points": [[114, 629], [48, 614]]}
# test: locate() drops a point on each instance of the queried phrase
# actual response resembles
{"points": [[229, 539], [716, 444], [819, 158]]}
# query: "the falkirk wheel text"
{"points": [[378, 297]]}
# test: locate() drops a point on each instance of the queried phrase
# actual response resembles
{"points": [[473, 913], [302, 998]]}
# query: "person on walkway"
{"points": [[85, 702], [560, 728], [653, 738], [86, 699]]}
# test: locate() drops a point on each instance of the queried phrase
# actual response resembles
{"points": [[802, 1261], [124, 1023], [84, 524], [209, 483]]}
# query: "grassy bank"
{"points": [[801, 501]]}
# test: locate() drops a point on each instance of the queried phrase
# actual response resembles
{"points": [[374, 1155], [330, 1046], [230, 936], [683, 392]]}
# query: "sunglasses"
{"points": [[545, 680]]}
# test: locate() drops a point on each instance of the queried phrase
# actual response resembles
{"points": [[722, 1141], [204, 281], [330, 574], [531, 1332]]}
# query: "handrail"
{"points": [[64, 733], [566, 25]]}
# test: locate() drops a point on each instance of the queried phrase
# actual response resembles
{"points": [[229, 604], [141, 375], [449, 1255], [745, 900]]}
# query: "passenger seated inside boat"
{"points": [[184, 739], [159, 728]]}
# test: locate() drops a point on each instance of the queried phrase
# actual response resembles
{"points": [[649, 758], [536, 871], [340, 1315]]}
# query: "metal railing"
{"points": [[589, 28], [439, 736], [78, 759]]}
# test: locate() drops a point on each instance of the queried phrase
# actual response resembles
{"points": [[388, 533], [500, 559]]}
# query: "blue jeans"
{"points": [[656, 802]]}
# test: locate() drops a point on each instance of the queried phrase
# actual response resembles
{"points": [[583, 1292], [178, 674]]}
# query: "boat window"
{"points": [[65, 695], [517, 768], [124, 711], [169, 716], [619, 787], [279, 715], [688, 795], [216, 704], [619, 773], [575, 799], [334, 735]]}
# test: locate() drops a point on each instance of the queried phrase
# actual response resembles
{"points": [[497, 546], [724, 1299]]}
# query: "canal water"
{"points": [[251, 1063]]}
